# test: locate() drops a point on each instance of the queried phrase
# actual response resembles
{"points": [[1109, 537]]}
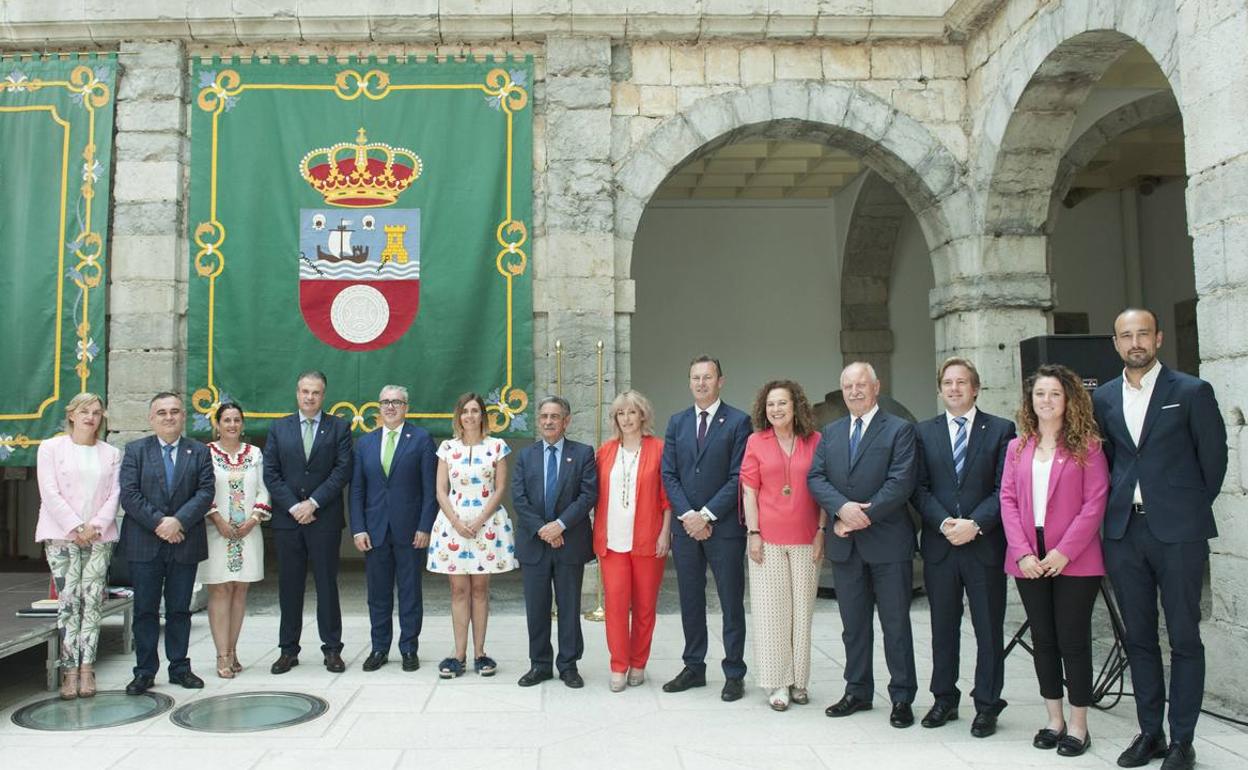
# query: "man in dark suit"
{"points": [[393, 504], [1166, 445], [554, 487], [702, 454], [961, 454], [862, 474], [307, 463], [167, 487]]}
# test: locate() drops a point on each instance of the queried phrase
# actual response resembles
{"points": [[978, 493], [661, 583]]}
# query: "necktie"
{"points": [[854, 438], [168, 450], [307, 439], [387, 454], [959, 446], [552, 476], [702, 428]]}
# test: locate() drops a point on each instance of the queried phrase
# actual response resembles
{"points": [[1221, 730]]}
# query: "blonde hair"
{"points": [[640, 403], [78, 402]]}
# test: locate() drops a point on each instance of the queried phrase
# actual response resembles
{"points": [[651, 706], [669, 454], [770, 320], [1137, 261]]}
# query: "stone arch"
{"points": [[892, 143]]}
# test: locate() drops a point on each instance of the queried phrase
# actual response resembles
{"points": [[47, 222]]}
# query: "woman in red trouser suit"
{"points": [[632, 535]]}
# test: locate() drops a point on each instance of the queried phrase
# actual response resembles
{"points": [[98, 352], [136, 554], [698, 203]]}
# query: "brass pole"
{"points": [[598, 613], [558, 367]]}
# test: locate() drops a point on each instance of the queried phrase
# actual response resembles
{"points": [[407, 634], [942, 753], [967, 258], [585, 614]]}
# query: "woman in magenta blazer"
{"points": [[632, 535], [1053, 493], [78, 491]]}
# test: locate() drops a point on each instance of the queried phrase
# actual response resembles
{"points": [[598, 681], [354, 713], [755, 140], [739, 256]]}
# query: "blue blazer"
{"points": [[406, 501], [576, 493], [883, 473], [291, 478], [1180, 462], [146, 499], [941, 493], [708, 478]]}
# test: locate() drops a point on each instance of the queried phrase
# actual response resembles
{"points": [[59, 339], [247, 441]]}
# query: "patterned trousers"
{"points": [[81, 576], [782, 601]]}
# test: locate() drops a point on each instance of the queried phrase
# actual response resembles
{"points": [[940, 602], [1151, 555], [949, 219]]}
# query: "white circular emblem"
{"points": [[359, 314]]}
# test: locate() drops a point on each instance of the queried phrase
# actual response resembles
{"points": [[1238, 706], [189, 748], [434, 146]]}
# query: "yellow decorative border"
{"points": [[90, 245], [349, 85]]}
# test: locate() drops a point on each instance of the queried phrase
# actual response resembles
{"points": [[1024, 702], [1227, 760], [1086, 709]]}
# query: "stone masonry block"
{"points": [[828, 103], [143, 331], [640, 176], [845, 62], [688, 66], [151, 84], [579, 134], [652, 64], [867, 115], [147, 53], [153, 218], [790, 100], [1218, 193], [895, 61], [798, 63], [140, 372], [711, 118], [625, 99], [942, 61], [586, 56], [674, 140], [136, 296], [163, 115], [757, 65], [657, 101], [576, 92], [576, 255], [149, 147], [752, 105], [140, 181], [723, 64]]}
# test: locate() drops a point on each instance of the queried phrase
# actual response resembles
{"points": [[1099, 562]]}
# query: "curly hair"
{"points": [[1079, 430], [803, 416]]}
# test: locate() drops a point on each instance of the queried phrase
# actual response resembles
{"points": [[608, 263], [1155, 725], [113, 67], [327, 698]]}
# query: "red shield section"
{"points": [[359, 315]]}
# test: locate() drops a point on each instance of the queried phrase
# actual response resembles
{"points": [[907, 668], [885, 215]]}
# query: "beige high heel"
{"points": [[235, 666], [224, 667], [86, 681], [69, 683]]}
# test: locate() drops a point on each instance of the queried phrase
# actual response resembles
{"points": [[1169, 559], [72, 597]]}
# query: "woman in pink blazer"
{"points": [[1053, 493], [78, 491]]}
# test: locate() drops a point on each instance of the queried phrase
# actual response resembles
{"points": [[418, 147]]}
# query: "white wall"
{"points": [[914, 332]]}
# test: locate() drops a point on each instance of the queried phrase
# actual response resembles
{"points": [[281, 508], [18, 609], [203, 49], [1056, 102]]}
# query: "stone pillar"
{"points": [[147, 267], [574, 286], [1214, 103], [982, 311]]}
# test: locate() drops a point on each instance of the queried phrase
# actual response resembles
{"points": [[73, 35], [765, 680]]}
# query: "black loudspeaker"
{"points": [[1091, 356]]}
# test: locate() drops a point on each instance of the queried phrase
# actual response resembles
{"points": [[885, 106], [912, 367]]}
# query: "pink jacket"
{"points": [[61, 497], [1072, 521]]}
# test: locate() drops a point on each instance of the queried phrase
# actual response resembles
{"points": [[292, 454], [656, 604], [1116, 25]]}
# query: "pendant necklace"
{"points": [[787, 489], [629, 468]]}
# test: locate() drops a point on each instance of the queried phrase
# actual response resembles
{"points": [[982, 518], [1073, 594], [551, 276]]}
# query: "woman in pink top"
{"points": [[1053, 492], [785, 540], [78, 491]]}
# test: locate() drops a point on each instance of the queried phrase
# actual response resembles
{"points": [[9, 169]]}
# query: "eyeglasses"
{"points": [[392, 402]]}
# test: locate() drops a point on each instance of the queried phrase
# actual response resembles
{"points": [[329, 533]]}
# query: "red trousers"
{"points": [[630, 584]]}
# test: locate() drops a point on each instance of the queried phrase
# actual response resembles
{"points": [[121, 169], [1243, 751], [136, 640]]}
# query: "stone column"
{"points": [[1214, 103], [574, 287], [147, 267]]}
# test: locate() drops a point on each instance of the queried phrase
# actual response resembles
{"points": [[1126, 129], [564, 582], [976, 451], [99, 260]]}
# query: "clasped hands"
{"points": [[696, 526], [959, 531], [1050, 566], [364, 543], [303, 512], [170, 530], [88, 535], [850, 518], [552, 534], [231, 531]]}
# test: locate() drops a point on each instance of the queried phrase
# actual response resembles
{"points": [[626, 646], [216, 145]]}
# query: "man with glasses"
{"points": [[393, 504]]}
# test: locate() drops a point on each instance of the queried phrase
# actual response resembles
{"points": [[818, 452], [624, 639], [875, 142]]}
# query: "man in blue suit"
{"points": [[702, 454], [393, 504], [862, 474], [961, 455], [554, 487], [1166, 444], [167, 487], [307, 464]]}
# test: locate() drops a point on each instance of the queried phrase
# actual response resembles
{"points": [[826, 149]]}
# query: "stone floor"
{"points": [[390, 719]]}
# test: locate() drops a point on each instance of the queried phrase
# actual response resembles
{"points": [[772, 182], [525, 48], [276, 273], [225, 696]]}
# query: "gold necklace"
{"points": [[629, 470], [787, 457]]}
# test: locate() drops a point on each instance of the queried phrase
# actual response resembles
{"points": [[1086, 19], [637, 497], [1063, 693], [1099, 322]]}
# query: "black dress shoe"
{"points": [[1181, 756], [1047, 739], [847, 705], [284, 663], [901, 716], [734, 688], [572, 678], [940, 714], [411, 662], [535, 676], [686, 679], [984, 724], [187, 679], [334, 664], [1070, 746], [374, 661], [1143, 749], [140, 684]]}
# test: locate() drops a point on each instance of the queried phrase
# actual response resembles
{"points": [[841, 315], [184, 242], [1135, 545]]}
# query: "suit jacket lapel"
{"points": [[1161, 392], [155, 456], [1025, 497], [940, 426], [1061, 458], [317, 438], [873, 430], [565, 470], [974, 440], [182, 458], [712, 426]]}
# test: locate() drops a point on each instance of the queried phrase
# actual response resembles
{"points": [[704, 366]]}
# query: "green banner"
{"points": [[56, 128], [367, 218]]}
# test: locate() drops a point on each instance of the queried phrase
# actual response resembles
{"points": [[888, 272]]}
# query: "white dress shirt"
{"points": [[385, 436], [866, 422], [621, 514], [1135, 407], [1040, 472]]}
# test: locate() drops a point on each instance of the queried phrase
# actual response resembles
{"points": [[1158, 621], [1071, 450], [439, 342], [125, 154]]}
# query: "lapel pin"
{"points": [[567, 459], [721, 419]]}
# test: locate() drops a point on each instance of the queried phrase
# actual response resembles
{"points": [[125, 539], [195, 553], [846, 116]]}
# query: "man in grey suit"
{"points": [[167, 487], [862, 474]]}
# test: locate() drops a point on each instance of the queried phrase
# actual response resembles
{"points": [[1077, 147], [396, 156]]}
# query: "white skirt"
{"points": [[243, 563]]}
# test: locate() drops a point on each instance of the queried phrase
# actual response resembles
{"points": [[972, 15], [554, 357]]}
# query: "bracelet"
{"points": [[754, 532], [823, 527]]}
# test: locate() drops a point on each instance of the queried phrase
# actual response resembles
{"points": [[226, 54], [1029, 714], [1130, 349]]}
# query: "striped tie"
{"points": [[959, 446]]}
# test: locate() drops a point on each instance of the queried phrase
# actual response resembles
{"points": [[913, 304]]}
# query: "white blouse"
{"points": [[87, 463], [1040, 470], [622, 507]]}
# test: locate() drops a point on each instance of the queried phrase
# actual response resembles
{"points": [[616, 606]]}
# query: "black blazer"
{"points": [[576, 492], [883, 474], [1180, 463], [940, 493], [146, 499], [291, 478], [708, 478]]}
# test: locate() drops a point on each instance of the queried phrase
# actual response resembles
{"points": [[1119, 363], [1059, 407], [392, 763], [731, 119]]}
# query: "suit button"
{"points": [[697, 470]]}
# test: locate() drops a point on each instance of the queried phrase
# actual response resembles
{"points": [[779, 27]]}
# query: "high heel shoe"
{"points": [[86, 681], [618, 681], [225, 668], [69, 683], [636, 677], [235, 666]]}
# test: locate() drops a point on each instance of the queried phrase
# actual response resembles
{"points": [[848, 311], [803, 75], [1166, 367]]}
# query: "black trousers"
{"points": [[1059, 610], [296, 550], [961, 574], [863, 589], [542, 581]]}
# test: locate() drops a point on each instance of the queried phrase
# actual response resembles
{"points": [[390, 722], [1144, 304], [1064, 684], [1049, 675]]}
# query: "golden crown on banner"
{"points": [[360, 174]]}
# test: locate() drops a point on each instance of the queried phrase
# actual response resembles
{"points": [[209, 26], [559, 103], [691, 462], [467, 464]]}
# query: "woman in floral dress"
{"points": [[235, 544], [472, 536]]}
